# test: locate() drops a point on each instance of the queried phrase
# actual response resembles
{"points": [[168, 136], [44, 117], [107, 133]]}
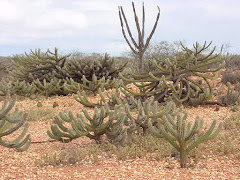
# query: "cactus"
{"points": [[47, 88], [9, 123], [144, 112], [38, 65], [138, 47], [96, 127], [63, 133], [179, 77], [40, 69], [11, 87], [71, 86], [112, 98], [183, 136], [103, 67], [116, 132], [90, 74]]}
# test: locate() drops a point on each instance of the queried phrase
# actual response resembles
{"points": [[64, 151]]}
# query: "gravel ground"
{"points": [[16, 165]]}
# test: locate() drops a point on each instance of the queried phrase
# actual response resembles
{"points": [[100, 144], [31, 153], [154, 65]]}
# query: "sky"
{"points": [[93, 25]]}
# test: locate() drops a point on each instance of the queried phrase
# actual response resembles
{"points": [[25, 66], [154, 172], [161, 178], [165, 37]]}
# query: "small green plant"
{"points": [[183, 136], [39, 113], [39, 104], [55, 104], [233, 122]]}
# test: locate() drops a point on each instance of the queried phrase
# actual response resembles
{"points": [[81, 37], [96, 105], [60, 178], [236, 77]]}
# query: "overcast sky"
{"points": [[93, 25]]}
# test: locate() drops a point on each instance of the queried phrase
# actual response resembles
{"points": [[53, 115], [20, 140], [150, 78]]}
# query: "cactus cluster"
{"points": [[52, 74], [115, 122], [10, 87], [9, 123], [184, 78], [38, 65]]}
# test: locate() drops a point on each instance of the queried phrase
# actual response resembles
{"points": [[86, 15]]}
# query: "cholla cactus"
{"points": [[183, 136], [9, 123], [139, 117]]}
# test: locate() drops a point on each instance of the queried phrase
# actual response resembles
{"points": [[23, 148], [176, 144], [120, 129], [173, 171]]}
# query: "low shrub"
{"points": [[230, 77]]}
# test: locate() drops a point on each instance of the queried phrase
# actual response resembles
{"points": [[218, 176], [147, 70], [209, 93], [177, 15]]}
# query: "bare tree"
{"points": [[140, 46]]}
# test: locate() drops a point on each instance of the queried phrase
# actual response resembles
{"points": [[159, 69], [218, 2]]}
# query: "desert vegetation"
{"points": [[180, 104]]}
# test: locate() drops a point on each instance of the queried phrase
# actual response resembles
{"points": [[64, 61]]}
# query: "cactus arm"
{"points": [[170, 128], [60, 125], [191, 132], [216, 132], [203, 137], [15, 145], [154, 131], [83, 99], [12, 129], [25, 146], [169, 138]]}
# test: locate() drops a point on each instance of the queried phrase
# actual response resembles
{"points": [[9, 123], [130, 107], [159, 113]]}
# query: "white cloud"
{"points": [[32, 20], [93, 25], [222, 8]]}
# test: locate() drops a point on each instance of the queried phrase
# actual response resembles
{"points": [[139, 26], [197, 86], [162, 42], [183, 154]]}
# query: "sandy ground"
{"points": [[15, 165]]}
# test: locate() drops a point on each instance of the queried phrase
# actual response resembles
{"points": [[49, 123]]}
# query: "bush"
{"points": [[232, 61], [230, 77]]}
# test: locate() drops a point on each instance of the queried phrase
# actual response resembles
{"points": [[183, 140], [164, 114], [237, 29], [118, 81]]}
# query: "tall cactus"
{"points": [[139, 46], [9, 123], [183, 136]]}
